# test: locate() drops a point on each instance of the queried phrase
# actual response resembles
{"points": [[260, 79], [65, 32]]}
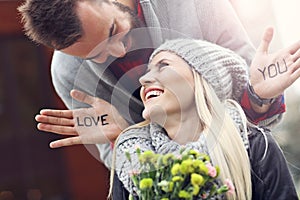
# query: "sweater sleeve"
{"points": [[268, 119], [271, 178], [220, 24], [64, 72]]}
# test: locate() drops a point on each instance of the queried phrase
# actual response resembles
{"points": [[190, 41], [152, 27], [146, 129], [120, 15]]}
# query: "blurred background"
{"points": [[30, 170]]}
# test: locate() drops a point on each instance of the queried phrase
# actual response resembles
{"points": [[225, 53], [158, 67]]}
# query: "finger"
{"points": [[57, 113], [295, 75], [294, 47], [61, 130], [295, 67], [54, 120], [266, 40], [65, 142], [82, 97], [296, 55]]}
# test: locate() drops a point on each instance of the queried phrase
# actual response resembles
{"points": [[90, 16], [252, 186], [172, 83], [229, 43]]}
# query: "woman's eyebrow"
{"points": [[157, 63], [162, 61]]}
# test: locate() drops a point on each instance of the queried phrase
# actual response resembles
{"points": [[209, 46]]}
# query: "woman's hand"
{"points": [[101, 123]]}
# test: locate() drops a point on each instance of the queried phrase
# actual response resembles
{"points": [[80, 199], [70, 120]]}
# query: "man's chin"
{"points": [[105, 59]]}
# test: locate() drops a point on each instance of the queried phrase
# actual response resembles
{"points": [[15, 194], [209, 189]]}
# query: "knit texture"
{"points": [[223, 69]]}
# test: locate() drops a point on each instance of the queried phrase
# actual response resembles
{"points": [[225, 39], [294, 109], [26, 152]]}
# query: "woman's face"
{"points": [[167, 88]]}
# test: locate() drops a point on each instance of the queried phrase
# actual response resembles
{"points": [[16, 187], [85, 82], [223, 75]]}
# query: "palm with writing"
{"points": [[271, 74], [101, 123]]}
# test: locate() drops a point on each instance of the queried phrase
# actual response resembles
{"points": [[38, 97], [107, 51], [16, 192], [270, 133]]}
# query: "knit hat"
{"points": [[223, 69]]}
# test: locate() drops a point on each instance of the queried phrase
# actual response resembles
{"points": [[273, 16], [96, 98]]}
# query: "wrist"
{"points": [[256, 99]]}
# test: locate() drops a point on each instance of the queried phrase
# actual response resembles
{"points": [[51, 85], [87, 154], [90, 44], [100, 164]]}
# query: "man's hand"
{"points": [[101, 123], [271, 74]]}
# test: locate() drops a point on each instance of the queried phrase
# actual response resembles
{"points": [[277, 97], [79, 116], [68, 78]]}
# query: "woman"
{"points": [[179, 92]]}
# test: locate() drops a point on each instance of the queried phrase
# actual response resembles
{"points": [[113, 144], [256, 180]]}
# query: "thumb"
{"points": [[266, 40], [82, 97]]}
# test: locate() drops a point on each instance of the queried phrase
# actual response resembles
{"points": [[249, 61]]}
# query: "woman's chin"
{"points": [[146, 114]]}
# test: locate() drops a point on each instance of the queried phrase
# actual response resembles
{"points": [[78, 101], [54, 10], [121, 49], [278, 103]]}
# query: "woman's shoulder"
{"points": [[140, 130]]}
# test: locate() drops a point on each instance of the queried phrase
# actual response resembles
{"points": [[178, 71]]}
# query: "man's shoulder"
{"points": [[62, 62]]}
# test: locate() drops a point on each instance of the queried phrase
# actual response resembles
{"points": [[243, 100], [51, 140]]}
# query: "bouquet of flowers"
{"points": [[189, 175]]}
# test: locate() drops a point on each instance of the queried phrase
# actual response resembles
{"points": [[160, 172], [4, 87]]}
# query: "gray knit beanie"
{"points": [[223, 69]]}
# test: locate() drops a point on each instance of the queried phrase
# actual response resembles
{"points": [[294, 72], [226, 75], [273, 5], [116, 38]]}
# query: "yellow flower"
{"points": [[175, 169], [177, 179], [146, 183], [206, 158], [184, 194], [167, 158], [195, 153], [196, 190], [147, 156], [203, 169], [186, 167], [197, 163], [197, 179], [171, 186], [166, 186]]}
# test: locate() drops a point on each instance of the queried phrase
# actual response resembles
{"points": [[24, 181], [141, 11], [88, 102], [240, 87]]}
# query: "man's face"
{"points": [[105, 31]]}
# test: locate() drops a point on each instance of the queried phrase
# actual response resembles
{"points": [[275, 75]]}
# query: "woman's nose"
{"points": [[147, 78]]}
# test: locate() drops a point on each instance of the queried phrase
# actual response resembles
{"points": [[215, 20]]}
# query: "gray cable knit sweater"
{"points": [[211, 20]]}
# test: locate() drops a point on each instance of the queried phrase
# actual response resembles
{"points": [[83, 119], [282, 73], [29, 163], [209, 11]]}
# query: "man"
{"points": [[99, 31]]}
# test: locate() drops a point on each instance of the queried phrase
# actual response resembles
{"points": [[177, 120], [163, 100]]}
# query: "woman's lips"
{"points": [[152, 92]]}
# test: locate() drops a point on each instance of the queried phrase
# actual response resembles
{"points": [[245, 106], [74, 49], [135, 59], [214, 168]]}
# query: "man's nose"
{"points": [[117, 49]]}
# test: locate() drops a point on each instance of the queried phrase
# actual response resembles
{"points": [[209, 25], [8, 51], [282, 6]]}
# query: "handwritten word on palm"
{"points": [[101, 123], [271, 74]]}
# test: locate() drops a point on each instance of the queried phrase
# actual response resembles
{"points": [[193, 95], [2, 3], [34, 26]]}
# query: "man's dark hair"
{"points": [[52, 23]]}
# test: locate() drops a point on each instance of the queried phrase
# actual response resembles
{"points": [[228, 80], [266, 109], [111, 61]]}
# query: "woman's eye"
{"points": [[162, 64]]}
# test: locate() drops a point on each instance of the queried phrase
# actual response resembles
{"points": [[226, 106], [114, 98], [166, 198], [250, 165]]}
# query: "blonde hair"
{"points": [[225, 144]]}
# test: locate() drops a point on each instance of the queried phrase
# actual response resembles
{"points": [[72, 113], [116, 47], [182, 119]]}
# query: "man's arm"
{"points": [[270, 75], [64, 71], [220, 24]]}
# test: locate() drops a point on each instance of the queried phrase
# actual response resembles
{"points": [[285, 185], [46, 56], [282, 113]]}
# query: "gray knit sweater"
{"points": [[211, 20]]}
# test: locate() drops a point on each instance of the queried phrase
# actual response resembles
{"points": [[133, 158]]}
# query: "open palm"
{"points": [[101, 123]]}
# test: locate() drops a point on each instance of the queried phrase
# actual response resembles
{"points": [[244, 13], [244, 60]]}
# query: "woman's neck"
{"points": [[184, 128]]}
